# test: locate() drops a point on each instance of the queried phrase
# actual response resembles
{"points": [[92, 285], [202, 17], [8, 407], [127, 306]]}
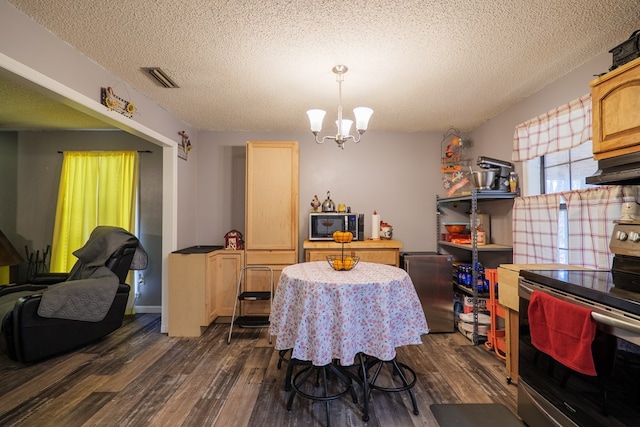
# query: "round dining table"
{"points": [[322, 314]]}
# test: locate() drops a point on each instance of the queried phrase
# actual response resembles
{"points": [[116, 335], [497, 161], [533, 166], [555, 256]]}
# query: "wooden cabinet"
{"points": [[228, 266], [378, 251], [271, 221], [616, 111], [202, 286]]}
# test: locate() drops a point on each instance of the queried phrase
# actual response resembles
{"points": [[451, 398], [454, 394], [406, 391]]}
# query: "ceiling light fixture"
{"points": [[362, 115], [161, 77]]}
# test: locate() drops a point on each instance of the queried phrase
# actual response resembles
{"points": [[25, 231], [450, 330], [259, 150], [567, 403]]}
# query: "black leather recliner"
{"points": [[58, 312]]}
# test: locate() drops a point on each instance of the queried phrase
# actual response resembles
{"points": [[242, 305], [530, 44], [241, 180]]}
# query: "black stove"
{"points": [[550, 392]]}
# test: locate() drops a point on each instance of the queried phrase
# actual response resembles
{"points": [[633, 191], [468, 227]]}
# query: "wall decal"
{"points": [[109, 99], [185, 146]]}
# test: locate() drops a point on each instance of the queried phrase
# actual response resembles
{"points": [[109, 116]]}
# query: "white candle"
{"points": [[375, 225]]}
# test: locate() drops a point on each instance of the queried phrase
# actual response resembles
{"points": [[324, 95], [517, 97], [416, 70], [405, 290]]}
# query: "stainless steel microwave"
{"points": [[323, 224]]}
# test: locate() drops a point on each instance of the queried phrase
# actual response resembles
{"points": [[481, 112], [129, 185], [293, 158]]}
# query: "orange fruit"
{"points": [[348, 263]]}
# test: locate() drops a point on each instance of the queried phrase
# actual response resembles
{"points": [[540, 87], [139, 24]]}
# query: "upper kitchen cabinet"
{"points": [[271, 223], [272, 198], [616, 111]]}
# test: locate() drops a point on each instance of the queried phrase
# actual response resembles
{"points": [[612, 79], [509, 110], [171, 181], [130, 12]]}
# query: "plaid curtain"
{"points": [[591, 214], [560, 129], [535, 229]]}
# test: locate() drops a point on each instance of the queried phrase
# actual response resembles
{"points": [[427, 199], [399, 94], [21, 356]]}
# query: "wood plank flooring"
{"points": [[139, 377]]}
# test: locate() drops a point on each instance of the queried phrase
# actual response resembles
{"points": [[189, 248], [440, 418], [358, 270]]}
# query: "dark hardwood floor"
{"points": [[140, 377]]}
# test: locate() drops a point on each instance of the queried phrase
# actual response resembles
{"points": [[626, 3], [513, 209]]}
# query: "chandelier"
{"points": [[362, 115]]}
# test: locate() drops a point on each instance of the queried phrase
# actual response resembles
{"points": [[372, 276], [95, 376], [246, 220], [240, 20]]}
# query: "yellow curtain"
{"points": [[96, 188], [4, 275]]}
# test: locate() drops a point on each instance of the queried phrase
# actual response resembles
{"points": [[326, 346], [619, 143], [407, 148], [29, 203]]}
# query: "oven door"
{"points": [[550, 394]]}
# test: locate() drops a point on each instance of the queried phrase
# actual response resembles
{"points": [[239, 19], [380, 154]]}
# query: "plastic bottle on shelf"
{"points": [[465, 280], [480, 279], [513, 182]]}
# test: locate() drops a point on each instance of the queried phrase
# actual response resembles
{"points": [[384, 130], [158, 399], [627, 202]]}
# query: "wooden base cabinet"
{"points": [[228, 266], [378, 251], [202, 286]]}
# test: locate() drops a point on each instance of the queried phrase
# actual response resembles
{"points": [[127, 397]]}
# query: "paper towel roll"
{"points": [[375, 226]]}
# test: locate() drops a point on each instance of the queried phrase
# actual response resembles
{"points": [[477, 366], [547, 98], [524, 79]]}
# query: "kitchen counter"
{"points": [[199, 249], [379, 251]]}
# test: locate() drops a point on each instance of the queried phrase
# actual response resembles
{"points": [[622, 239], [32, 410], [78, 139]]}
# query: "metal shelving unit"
{"points": [[473, 198]]}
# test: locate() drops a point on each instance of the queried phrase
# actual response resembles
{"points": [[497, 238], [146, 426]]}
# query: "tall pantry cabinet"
{"points": [[271, 221]]}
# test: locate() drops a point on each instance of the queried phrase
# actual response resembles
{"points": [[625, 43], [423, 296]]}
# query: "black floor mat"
{"points": [[474, 415]]}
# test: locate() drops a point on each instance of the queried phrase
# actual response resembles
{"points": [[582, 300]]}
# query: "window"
{"points": [[560, 219], [567, 170]]}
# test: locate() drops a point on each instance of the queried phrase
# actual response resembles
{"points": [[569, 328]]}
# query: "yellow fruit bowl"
{"points": [[342, 263]]}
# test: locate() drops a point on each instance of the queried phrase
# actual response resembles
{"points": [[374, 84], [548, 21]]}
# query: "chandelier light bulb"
{"points": [[316, 118], [362, 116], [346, 126]]}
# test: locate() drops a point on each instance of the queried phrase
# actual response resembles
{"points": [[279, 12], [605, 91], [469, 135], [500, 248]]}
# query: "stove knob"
{"points": [[622, 236], [634, 236]]}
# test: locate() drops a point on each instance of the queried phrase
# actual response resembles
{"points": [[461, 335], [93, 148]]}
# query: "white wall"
{"points": [[35, 57], [39, 163], [396, 174], [495, 137]]}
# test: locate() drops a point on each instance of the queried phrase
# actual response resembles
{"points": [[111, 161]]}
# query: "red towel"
{"points": [[562, 330]]}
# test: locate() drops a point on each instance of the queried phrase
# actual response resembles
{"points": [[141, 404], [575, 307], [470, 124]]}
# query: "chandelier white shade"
{"points": [[362, 116]]}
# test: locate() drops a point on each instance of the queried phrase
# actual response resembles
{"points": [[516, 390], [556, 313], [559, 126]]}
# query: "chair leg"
{"points": [[397, 369], [302, 376], [326, 393], [282, 358]]}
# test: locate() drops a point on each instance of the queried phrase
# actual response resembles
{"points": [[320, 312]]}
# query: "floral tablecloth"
{"points": [[323, 314]]}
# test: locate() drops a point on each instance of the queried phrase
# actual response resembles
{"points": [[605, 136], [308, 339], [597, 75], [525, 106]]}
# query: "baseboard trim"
{"points": [[148, 309]]}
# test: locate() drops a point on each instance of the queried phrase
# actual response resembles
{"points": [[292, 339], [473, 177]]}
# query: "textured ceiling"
{"points": [[422, 65]]}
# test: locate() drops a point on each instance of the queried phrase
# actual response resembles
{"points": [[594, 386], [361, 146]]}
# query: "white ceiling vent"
{"points": [[161, 77]]}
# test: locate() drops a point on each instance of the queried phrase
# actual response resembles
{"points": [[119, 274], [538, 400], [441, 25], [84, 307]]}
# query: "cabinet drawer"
{"points": [[381, 257], [271, 257]]}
